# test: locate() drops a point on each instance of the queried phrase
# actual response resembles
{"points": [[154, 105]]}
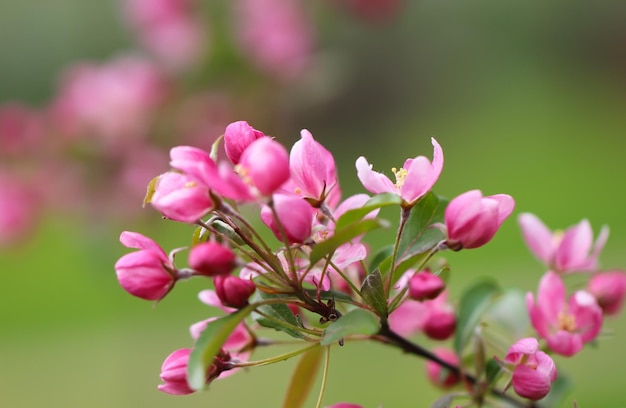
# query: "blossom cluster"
{"points": [[320, 281]]}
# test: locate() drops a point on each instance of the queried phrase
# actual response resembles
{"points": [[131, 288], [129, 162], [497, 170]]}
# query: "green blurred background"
{"points": [[526, 98]]}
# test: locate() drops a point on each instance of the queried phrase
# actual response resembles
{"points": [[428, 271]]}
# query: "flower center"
{"points": [[567, 321], [400, 176]]}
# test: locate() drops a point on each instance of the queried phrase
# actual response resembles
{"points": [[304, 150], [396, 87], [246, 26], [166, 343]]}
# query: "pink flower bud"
{"points": [[534, 370], [146, 273], [174, 373], [265, 164], [472, 220], [295, 215], [440, 323], [179, 198], [441, 376], [233, 291], [609, 289], [425, 286], [237, 137], [211, 259]]}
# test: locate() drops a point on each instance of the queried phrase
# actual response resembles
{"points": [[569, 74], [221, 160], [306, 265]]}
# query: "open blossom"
{"points": [[565, 324], [414, 180], [237, 137], [472, 220], [609, 289], [313, 171], [534, 370], [147, 273], [180, 198], [569, 251]]}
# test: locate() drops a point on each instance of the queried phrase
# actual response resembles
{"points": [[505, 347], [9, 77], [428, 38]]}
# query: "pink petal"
{"points": [[565, 343], [587, 313], [136, 240], [526, 346], [462, 210], [551, 296], [574, 249], [537, 236], [373, 181]]}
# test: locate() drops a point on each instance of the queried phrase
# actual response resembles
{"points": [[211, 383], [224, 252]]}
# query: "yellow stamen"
{"points": [[400, 176], [567, 321], [190, 184]]}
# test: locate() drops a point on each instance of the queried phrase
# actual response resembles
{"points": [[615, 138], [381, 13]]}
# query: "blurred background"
{"points": [[526, 98]]}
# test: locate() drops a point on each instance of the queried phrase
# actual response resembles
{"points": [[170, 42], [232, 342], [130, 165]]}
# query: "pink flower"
{"points": [[147, 273], [425, 286], [413, 181], [174, 373], [570, 251], [313, 170], [237, 137], [436, 318], [21, 129], [295, 215], [233, 291], [179, 198], [265, 164], [472, 220], [18, 209], [276, 35], [436, 373], [534, 370], [170, 29], [609, 289], [566, 325], [212, 259]]}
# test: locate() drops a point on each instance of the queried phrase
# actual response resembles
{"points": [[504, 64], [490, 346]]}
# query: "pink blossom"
{"points": [[413, 181], [18, 209], [179, 198], [570, 251], [609, 289], [114, 101], [534, 370], [21, 129], [566, 325], [147, 273], [233, 291], [436, 373], [472, 220], [295, 216], [174, 373], [170, 29], [313, 170], [436, 318], [237, 137], [212, 259], [425, 286], [276, 35], [265, 165]]}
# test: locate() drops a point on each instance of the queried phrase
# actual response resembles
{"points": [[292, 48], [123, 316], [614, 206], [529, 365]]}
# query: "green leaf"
{"points": [[383, 254], [418, 237], [493, 371], [473, 304], [357, 321], [374, 203], [373, 293], [560, 389], [303, 378], [150, 190], [341, 236], [209, 343], [279, 312], [215, 148]]}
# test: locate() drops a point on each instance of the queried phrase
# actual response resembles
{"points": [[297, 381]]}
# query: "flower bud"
{"points": [[609, 289], [174, 373], [211, 259], [237, 137], [425, 286], [233, 291], [295, 215], [147, 273], [441, 376], [440, 323], [472, 220], [534, 370], [179, 198], [265, 164]]}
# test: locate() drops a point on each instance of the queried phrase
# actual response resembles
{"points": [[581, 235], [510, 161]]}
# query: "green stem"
{"points": [[404, 217], [324, 378], [276, 359], [291, 326]]}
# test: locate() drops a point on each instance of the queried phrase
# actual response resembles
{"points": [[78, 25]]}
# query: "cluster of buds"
{"points": [[315, 278]]}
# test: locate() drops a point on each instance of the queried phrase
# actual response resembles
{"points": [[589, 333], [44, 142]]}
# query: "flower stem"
{"points": [[324, 378], [276, 359]]}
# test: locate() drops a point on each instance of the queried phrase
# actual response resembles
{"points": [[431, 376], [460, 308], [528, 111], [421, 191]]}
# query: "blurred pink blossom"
{"points": [[534, 370], [19, 208], [609, 289]]}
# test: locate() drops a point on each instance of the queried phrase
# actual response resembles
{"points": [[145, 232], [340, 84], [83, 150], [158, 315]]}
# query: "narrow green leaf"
{"points": [[215, 148], [373, 293], [303, 378], [493, 371], [357, 321], [374, 203], [341, 236], [209, 343], [282, 317], [418, 236], [473, 304]]}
